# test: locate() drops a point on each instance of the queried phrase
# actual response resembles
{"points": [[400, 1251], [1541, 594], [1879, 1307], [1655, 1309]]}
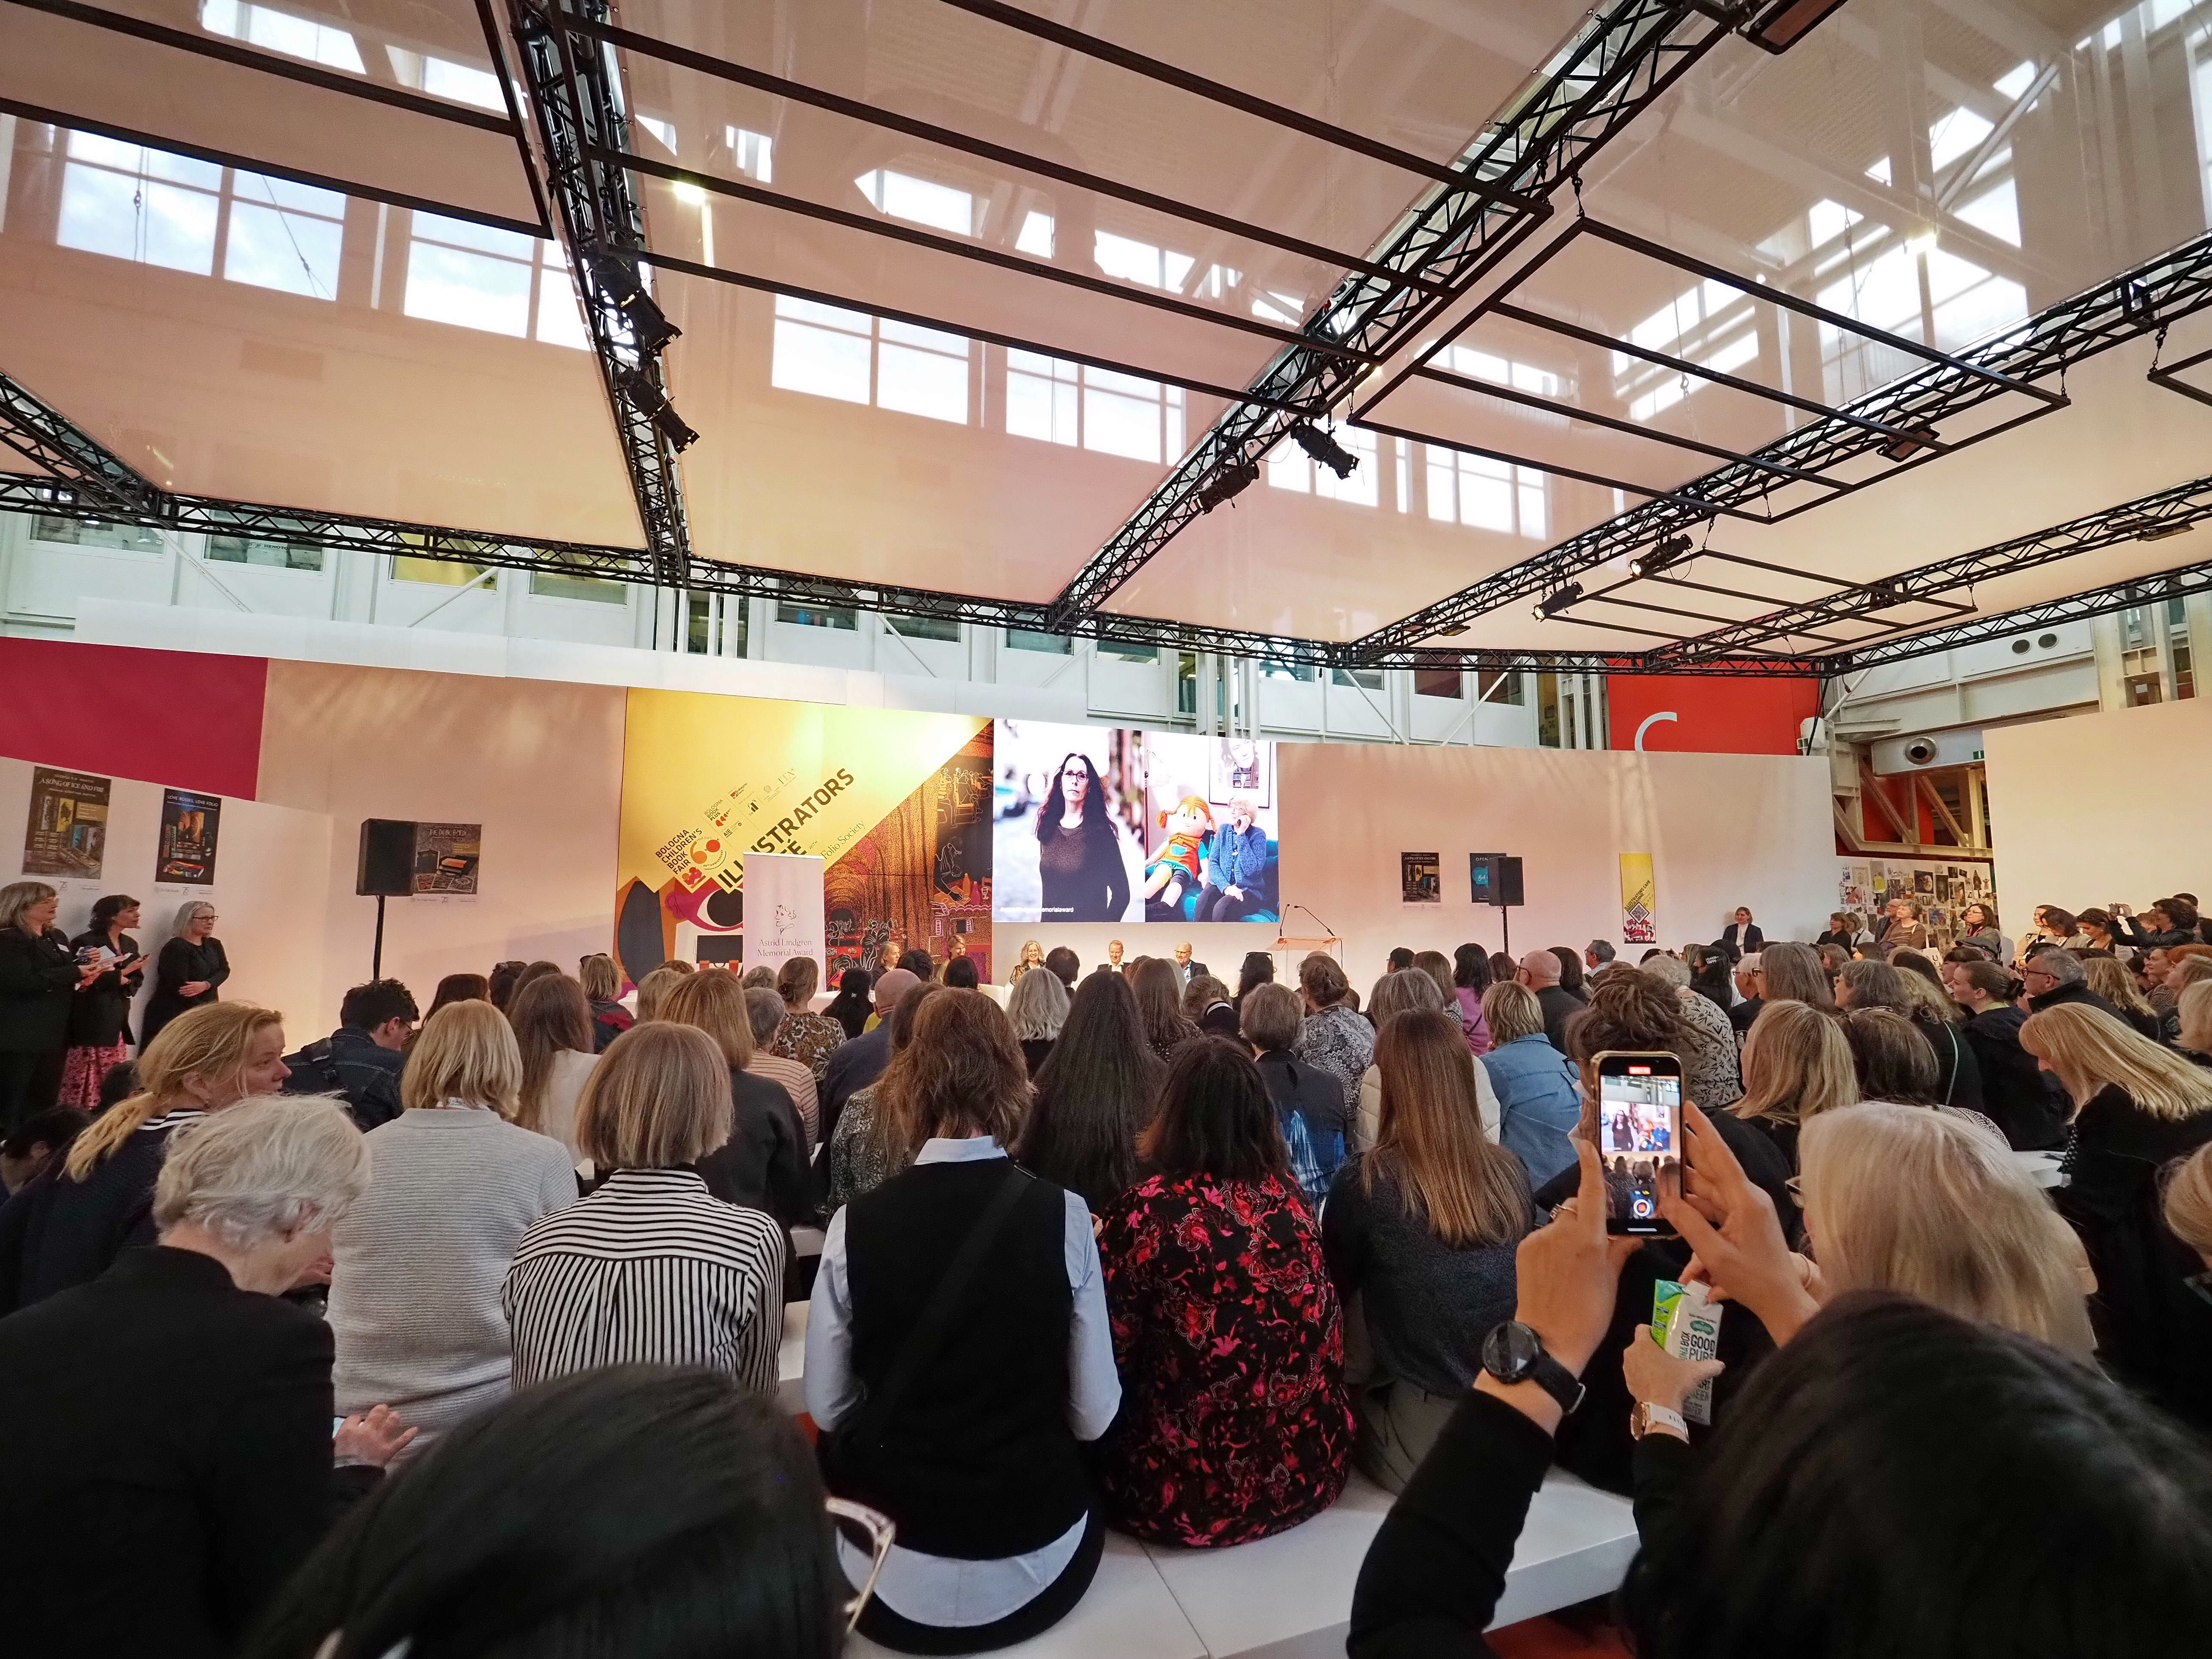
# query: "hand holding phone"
{"points": [[1730, 1223], [1640, 1136]]}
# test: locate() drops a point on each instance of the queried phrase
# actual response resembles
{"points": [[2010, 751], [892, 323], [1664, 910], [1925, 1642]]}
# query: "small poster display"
{"points": [[65, 835], [1639, 899], [191, 823], [1420, 878], [445, 859]]}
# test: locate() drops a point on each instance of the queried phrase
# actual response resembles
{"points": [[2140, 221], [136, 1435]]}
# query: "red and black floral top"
{"points": [[1229, 1341]]}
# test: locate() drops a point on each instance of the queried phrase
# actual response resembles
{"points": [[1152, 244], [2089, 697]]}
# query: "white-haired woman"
{"points": [[203, 1494], [1037, 1005], [70, 1220], [189, 971]]}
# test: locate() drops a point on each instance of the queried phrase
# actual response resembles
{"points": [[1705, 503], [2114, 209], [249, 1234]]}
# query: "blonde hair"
{"points": [[2194, 1005], [2188, 1201], [467, 1052], [1926, 990], [1428, 1140], [261, 1168], [1904, 1199], [17, 896], [1790, 972], [715, 1003], [653, 991], [2110, 980], [2089, 1050], [1796, 1065], [596, 974], [659, 1099], [1511, 1010], [206, 1045]]}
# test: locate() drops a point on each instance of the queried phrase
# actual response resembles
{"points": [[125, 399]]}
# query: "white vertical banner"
{"points": [[783, 910]]}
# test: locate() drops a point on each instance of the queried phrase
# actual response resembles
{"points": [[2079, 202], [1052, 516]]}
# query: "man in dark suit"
{"points": [[1753, 986], [1539, 971]]}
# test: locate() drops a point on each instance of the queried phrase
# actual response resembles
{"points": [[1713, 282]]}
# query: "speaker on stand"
{"points": [[384, 869], [1495, 879]]}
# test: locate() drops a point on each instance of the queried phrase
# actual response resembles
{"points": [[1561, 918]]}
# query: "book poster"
{"points": [[1639, 899], [191, 823], [446, 857], [66, 833], [1420, 878]]}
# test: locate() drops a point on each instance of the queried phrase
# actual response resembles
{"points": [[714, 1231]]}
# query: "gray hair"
{"points": [[1396, 993], [261, 1168], [1272, 1016], [2062, 965], [764, 1008], [1669, 971], [762, 978], [1748, 964], [17, 896], [1037, 1005], [1601, 949], [185, 912]]}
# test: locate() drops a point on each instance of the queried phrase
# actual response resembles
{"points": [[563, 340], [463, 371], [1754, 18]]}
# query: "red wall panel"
{"points": [[1710, 716], [174, 717]]}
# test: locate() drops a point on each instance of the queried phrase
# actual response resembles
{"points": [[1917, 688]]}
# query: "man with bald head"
{"points": [[1539, 971]]}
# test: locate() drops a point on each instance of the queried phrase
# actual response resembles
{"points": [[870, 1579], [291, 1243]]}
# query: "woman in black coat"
{"points": [[38, 979], [100, 1017], [2017, 1095], [1742, 937], [190, 968]]}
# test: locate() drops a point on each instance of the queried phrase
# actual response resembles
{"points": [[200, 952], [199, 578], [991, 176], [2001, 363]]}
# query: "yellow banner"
{"points": [[1639, 900]]}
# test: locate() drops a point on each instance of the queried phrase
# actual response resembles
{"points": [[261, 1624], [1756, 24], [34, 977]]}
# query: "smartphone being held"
{"points": [[1639, 1133]]}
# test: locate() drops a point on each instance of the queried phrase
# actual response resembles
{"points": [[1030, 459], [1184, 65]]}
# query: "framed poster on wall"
{"points": [[190, 825], [1420, 878], [446, 856], [65, 833]]}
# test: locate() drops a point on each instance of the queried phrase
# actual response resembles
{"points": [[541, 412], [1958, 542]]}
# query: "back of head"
{"points": [[646, 1511], [1258, 969], [919, 963], [261, 1168], [460, 987], [1794, 972], [1897, 1481], [1321, 978], [1571, 969], [1201, 993], [1796, 1065], [960, 1075], [1396, 993], [199, 1053], [535, 970], [1401, 959], [1628, 1009], [550, 1016], [1437, 966], [1470, 969], [853, 985], [658, 1099], [365, 1007], [764, 1013], [2194, 1005], [1873, 985], [1900, 1198], [1037, 1006], [1502, 966], [961, 974], [1429, 1139], [1543, 968], [1925, 997], [2060, 924], [498, 986], [678, 965], [1892, 1058], [466, 1052], [1600, 951], [1094, 1092], [1988, 978], [2088, 1050], [1271, 1017], [653, 992], [1512, 1013], [1064, 963], [797, 981], [2109, 979], [715, 1003], [1159, 1001], [2187, 1200], [1670, 971], [596, 974], [1215, 1118], [761, 977]]}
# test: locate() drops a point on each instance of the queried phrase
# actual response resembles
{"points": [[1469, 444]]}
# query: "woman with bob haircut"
{"points": [[1540, 1098], [553, 1032], [602, 986], [69, 1222], [1796, 1065], [650, 1267], [804, 1036], [762, 1165], [1790, 972], [455, 1183], [664, 1514], [957, 1356], [1037, 1009], [202, 1503], [654, 990]]}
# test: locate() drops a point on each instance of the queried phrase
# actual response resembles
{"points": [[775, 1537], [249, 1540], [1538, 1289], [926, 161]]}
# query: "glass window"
{"points": [[857, 358], [1439, 683], [559, 584], [498, 281], [1123, 652], [1286, 670], [279, 31], [911, 627], [1023, 639], [1187, 683], [938, 206], [90, 533], [1367, 679], [252, 550], [1473, 490], [699, 625], [445, 573], [818, 616], [1065, 403], [1502, 686]]}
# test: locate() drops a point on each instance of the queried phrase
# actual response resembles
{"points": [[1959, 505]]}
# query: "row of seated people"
{"points": [[1139, 1321]]}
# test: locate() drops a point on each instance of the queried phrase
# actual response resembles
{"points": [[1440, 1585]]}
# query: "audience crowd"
{"points": [[458, 1332]]}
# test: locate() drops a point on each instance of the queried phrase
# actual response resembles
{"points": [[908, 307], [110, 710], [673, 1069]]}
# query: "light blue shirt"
{"points": [[1539, 1100]]}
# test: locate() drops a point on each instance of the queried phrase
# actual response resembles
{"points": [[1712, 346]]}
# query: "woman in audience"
{"points": [[807, 1037], [1437, 966], [2109, 979], [664, 1514], [1538, 1090], [2187, 1203], [100, 1012], [601, 985], [2016, 1096], [1790, 972], [1308, 1102], [1159, 1005], [1206, 1004], [961, 974], [1879, 985], [1796, 1065], [1257, 969], [1845, 929], [1711, 1074], [869, 1145], [2193, 1034], [2099, 929], [2171, 921], [2184, 972], [534, 970], [1095, 1092], [1570, 972], [189, 969], [2055, 926], [1038, 1009], [650, 1267], [762, 1165], [852, 1004], [1711, 975], [460, 987], [1502, 966], [1421, 1229], [1224, 1322], [1978, 925], [960, 1410], [1470, 978], [202, 1496], [553, 1033], [40, 983], [765, 1011], [454, 1184], [70, 1222], [2137, 1107], [653, 992], [1332, 1037], [499, 984], [1893, 1062], [1397, 993], [762, 978]]}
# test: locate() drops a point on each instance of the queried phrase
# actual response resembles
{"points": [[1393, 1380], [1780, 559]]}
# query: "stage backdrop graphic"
{"points": [[1178, 810], [896, 805]]}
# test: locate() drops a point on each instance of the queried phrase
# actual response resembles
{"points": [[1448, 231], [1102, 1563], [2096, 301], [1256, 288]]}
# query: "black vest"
{"points": [[977, 1461]]}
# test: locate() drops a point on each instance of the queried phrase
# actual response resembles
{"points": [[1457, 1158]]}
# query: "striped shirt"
{"points": [[798, 1083], [649, 1269]]}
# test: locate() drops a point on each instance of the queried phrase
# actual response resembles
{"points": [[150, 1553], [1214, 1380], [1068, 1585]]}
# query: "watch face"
{"points": [[1510, 1349]]}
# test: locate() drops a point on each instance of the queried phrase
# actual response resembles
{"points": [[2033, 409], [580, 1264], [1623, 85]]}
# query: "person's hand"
{"points": [[1660, 1377], [191, 987], [316, 1272], [87, 972], [1730, 1222], [1236, 893], [1806, 1269], [1566, 1272], [374, 1437]]}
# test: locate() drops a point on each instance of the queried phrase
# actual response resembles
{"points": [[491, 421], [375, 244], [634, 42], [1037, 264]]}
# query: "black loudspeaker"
{"points": [[386, 866], [1509, 881], [1494, 878]]}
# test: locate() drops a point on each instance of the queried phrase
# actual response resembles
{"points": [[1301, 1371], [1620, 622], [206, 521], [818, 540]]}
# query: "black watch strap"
{"points": [[1556, 1380], [1513, 1352]]}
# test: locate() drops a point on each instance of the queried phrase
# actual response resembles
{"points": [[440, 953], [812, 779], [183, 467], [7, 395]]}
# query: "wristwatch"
{"points": [[1513, 1352], [1647, 1417]]}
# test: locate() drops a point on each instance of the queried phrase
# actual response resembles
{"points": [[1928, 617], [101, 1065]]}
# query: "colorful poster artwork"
{"points": [[65, 833], [446, 856], [1420, 878], [1639, 899], [191, 823]]}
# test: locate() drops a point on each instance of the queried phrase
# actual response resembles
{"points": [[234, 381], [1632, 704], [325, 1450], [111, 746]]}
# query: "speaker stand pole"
{"points": [[1504, 922], [376, 956]]}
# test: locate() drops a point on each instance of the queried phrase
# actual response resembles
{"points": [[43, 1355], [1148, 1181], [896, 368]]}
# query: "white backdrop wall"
{"points": [[2103, 807], [266, 859]]}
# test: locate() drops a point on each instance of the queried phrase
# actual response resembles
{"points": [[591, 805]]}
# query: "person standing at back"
{"points": [[554, 1032], [100, 1013], [1333, 1037], [189, 971], [39, 982]]}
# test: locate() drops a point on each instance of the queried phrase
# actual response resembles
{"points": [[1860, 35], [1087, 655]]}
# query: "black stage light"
{"points": [[1905, 448], [1557, 600], [1782, 25], [1671, 551], [651, 402], [2153, 530], [619, 281], [2137, 304], [1233, 482], [1324, 449]]}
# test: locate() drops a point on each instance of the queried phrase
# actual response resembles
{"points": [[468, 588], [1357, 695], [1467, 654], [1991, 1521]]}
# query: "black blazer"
{"points": [[762, 1165], [38, 978], [182, 1444], [101, 1012], [1738, 950], [180, 963]]}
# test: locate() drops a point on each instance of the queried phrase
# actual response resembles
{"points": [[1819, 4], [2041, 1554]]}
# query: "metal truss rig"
{"points": [[579, 119], [1632, 51]]}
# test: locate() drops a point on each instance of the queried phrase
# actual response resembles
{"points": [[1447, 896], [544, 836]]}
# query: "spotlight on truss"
{"points": [[619, 283], [651, 402], [1324, 449], [1557, 600], [1905, 448], [2153, 530], [1670, 552], [1783, 24], [1233, 482]]}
